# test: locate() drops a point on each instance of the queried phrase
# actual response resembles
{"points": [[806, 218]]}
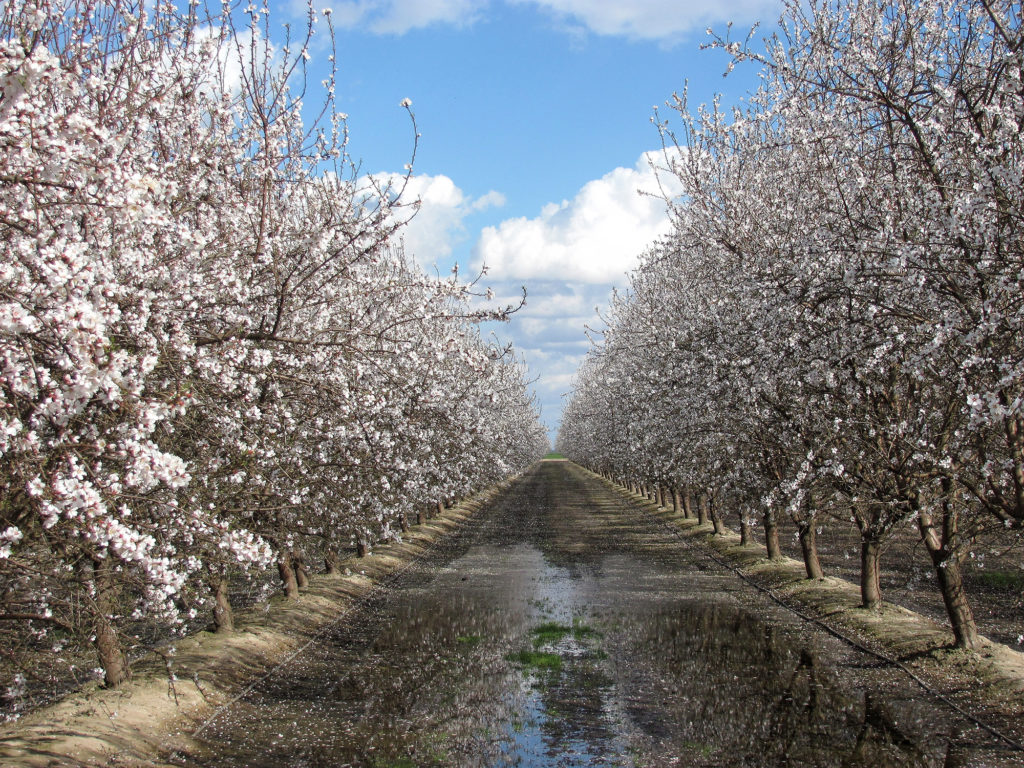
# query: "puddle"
{"points": [[562, 630]]}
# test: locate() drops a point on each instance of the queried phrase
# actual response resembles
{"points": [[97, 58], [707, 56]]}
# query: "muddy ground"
{"points": [[559, 622]]}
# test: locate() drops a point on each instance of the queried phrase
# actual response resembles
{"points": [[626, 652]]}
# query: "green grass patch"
{"points": [[1000, 579], [468, 640], [553, 455], [581, 630], [549, 632], [536, 660]]}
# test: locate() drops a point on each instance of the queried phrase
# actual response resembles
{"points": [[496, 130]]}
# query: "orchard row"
{"points": [[834, 330], [215, 358]]}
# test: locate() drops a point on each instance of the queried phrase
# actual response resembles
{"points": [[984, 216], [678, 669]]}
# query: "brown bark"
{"points": [[223, 616], [746, 532], [362, 549], [716, 518], [702, 509], [108, 644], [677, 502], [287, 573], [301, 572], [687, 504], [403, 522], [809, 548], [440, 507], [771, 535], [421, 517], [940, 544], [870, 573], [661, 495], [332, 563]]}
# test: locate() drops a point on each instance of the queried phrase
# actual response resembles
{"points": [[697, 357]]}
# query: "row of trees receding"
{"points": [[834, 330], [214, 356]]}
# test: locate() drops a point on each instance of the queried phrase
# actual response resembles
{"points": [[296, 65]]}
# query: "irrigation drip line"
{"points": [[938, 695]]}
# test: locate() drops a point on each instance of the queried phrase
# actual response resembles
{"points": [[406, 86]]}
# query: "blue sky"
{"points": [[534, 118]]}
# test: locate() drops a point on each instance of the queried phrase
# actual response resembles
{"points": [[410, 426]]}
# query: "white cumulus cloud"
{"points": [[594, 238], [437, 223], [656, 19], [396, 17]]}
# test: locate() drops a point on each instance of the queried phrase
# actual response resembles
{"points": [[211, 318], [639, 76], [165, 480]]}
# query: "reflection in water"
{"points": [[564, 631], [753, 695]]}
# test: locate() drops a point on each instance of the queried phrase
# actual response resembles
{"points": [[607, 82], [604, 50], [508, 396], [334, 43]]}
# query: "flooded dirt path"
{"points": [[563, 627]]}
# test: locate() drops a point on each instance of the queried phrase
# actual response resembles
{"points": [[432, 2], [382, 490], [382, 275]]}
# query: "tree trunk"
{"points": [[440, 507], [421, 516], [746, 532], [403, 522], [771, 535], [870, 574], [287, 573], [677, 502], [108, 645], [332, 563], [809, 547], [702, 509], [716, 518], [661, 495], [301, 572], [687, 503], [223, 616], [941, 549], [361, 547]]}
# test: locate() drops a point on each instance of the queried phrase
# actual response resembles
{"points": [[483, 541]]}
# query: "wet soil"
{"points": [[564, 626]]}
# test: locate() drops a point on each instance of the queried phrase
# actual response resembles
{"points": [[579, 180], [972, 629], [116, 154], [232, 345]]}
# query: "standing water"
{"points": [[562, 627]]}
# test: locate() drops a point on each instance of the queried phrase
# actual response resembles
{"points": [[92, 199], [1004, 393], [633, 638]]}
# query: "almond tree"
{"points": [[208, 346], [849, 245]]}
